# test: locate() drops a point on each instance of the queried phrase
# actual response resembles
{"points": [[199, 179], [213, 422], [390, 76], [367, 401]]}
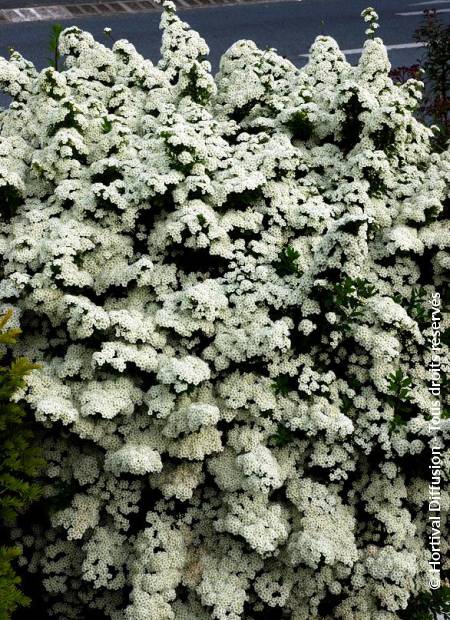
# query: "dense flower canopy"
{"points": [[227, 283]]}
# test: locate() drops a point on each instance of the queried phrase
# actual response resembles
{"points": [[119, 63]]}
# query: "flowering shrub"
{"points": [[436, 105], [227, 281]]}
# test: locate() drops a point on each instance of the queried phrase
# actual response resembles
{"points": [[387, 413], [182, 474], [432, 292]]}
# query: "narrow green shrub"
{"points": [[20, 462], [434, 33]]}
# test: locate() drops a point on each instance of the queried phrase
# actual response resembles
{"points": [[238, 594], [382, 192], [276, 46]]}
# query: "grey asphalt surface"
{"points": [[16, 4], [289, 26]]}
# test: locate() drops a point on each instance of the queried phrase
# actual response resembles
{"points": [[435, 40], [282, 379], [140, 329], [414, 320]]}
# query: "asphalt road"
{"points": [[289, 26]]}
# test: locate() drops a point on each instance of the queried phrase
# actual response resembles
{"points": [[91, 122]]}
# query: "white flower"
{"points": [[227, 282], [134, 460]]}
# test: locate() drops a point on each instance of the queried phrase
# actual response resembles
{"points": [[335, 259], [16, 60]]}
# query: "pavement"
{"points": [[288, 25]]}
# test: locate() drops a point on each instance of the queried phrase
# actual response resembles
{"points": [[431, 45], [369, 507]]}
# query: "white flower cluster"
{"points": [[226, 281], [371, 17]]}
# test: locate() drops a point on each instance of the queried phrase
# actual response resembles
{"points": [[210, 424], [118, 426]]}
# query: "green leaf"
{"points": [[106, 125], [283, 436], [10, 336], [283, 385], [287, 262], [54, 45]]}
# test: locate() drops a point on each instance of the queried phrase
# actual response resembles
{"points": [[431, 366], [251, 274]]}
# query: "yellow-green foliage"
{"points": [[20, 462]]}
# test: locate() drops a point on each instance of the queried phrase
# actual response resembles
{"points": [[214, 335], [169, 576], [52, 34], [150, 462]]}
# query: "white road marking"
{"points": [[411, 13], [395, 46], [429, 2], [86, 8]]}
